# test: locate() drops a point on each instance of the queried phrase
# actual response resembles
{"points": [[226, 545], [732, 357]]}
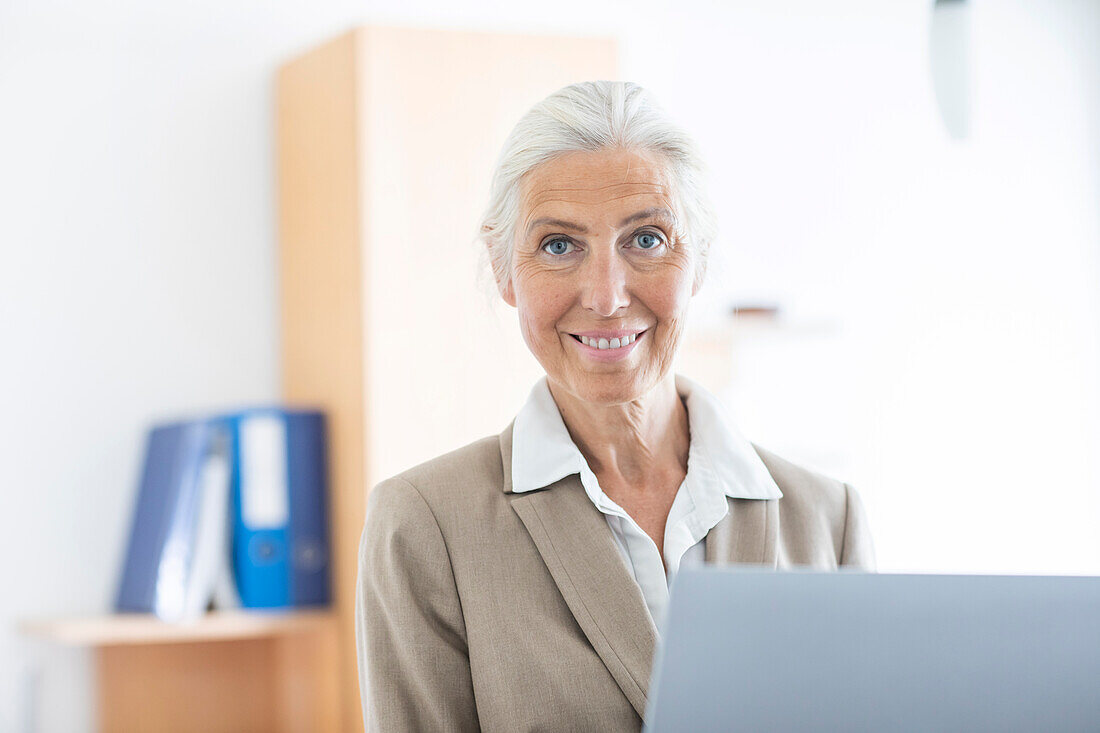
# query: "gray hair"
{"points": [[593, 116]]}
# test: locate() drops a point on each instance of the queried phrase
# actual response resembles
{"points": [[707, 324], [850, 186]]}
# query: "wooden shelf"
{"points": [[230, 671], [234, 625]]}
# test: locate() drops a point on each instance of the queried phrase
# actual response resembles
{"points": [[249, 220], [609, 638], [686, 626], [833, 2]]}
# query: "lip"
{"points": [[607, 355], [619, 334]]}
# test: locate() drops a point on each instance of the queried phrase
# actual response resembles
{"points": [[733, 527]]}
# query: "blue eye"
{"points": [[557, 246], [647, 240]]}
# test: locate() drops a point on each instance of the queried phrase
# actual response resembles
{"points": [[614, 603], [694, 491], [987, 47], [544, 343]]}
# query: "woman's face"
{"points": [[600, 254]]}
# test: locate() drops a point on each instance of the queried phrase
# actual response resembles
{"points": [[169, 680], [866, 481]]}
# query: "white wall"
{"points": [[958, 389], [952, 380]]}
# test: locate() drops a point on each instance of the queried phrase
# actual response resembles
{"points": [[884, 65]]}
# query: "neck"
{"points": [[634, 440]]}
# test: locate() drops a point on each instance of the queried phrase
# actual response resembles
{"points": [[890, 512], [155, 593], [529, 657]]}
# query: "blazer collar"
{"points": [[576, 544]]}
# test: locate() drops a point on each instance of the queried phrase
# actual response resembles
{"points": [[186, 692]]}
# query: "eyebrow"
{"points": [[654, 212], [557, 223]]}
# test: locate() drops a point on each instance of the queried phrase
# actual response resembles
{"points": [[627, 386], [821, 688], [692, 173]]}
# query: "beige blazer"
{"points": [[478, 608]]}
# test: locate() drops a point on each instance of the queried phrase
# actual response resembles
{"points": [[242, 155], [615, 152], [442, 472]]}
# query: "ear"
{"points": [[700, 276], [508, 292]]}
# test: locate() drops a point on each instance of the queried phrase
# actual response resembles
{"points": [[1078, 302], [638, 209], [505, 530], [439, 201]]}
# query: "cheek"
{"points": [[670, 297], [540, 312], [670, 305]]}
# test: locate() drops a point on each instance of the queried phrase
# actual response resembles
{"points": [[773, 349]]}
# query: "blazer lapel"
{"points": [[575, 542]]}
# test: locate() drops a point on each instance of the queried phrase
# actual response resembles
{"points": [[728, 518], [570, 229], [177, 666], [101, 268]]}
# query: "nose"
{"points": [[604, 284]]}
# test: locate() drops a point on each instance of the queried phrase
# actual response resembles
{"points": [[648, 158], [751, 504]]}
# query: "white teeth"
{"points": [[608, 344]]}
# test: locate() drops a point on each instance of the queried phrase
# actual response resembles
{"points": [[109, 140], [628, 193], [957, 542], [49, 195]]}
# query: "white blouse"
{"points": [[721, 463]]}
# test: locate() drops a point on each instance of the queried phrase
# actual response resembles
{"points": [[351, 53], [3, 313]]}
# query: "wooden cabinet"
{"points": [[386, 139]]}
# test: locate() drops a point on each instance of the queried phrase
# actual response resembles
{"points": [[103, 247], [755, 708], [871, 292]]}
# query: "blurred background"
{"points": [[910, 190]]}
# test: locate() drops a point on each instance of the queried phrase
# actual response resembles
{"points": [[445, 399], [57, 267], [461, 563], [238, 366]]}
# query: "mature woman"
{"points": [[519, 583]]}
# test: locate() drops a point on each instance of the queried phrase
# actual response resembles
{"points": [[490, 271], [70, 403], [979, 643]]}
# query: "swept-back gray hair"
{"points": [[592, 116]]}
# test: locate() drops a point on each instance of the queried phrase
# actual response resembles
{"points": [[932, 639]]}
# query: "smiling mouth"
{"points": [[608, 344]]}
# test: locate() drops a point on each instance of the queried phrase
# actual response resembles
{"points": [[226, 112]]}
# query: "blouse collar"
{"points": [[543, 453]]}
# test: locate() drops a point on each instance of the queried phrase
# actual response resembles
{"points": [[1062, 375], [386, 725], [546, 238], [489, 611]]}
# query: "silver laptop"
{"points": [[748, 649]]}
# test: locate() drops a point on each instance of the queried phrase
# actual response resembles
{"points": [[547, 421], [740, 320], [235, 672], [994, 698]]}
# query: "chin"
{"points": [[608, 389]]}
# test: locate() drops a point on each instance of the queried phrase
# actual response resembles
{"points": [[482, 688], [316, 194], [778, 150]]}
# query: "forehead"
{"points": [[597, 184]]}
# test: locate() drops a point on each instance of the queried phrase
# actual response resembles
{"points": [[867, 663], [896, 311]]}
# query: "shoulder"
{"points": [[804, 489], [820, 514], [476, 463], [461, 471]]}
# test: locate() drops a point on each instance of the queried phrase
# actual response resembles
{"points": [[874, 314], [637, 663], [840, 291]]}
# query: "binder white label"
{"points": [[264, 495]]}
